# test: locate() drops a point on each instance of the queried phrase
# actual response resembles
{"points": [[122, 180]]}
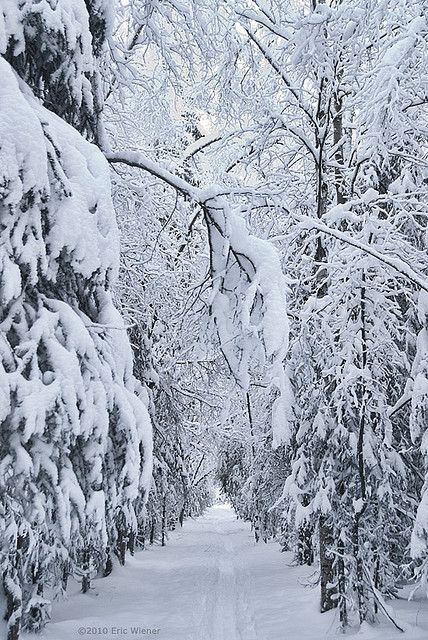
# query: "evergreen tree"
{"points": [[76, 437]]}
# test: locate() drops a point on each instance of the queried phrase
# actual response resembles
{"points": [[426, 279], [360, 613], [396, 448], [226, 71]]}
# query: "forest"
{"points": [[214, 314]]}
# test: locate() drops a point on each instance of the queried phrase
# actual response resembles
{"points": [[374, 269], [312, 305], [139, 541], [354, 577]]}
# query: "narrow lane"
{"points": [[211, 582]]}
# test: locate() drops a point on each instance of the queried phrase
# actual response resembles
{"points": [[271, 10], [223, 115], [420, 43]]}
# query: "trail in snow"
{"points": [[211, 582]]}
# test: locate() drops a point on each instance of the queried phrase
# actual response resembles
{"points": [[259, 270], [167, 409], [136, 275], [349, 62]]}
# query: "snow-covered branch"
{"points": [[202, 196], [399, 265], [248, 297]]}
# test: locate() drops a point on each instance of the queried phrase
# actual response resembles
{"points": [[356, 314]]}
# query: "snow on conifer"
{"points": [[76, 437]]}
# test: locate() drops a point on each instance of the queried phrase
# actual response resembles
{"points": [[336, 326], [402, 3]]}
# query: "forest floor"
{"points": [[212, 582]]}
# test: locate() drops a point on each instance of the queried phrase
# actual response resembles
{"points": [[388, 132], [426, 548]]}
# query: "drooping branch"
{"points": [[260, 286], [248, 306], [202, 196], [140, 161]]}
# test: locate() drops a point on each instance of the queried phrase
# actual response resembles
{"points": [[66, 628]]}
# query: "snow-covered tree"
{"points": [[75, 435], [327, 104], [253, 139]]}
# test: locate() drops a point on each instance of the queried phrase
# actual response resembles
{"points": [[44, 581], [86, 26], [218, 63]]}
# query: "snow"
{"points": [[70, 400], [394, 55], [248, 298], [92, 237], [74, 419], [212, 582], [22, 138], [67, 17], [397, 264]]}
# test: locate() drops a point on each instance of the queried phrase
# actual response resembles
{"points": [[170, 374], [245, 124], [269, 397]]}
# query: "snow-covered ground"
{"points": [[211, 582]]}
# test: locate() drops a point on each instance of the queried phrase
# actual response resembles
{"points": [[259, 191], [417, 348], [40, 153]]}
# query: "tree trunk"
{"points": [[376, 584], [327, 573], [305, 551], [182, 513], [361, 597], [13, 592], [131, 542], [13, 613], [65, 575], [152, 531], [164, 521], [256, 528], [342, 584], [121, 546], [86, 578], [108, 566]]}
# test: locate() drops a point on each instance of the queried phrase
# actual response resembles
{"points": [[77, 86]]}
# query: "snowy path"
{"points": [[211, 582]]}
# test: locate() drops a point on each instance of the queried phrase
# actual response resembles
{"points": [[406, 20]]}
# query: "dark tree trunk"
{"points": [[361, 595], [108, 566], [13, 592], [376, 583], [342, 584], [305, 550], [86, 578], [327, 573], [164, 521], [131, 542], [65, 575], [182, 514], [13, 613], [256, 529], [121, 546], [122, 537], [152, 531]]}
